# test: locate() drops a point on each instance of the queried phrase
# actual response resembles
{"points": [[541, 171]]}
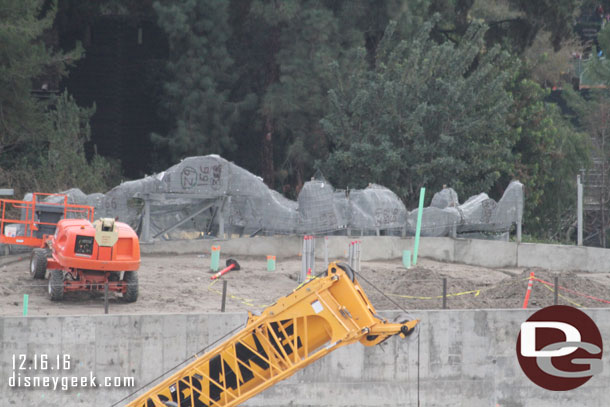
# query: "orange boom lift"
{"points": [[80, 255], [323, 315]]}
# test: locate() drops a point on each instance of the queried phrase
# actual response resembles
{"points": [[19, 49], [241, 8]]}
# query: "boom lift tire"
{"points": [[56, 285], [38, 264], [131, 279]]}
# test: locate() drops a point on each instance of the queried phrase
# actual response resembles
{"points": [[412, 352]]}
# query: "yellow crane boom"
{"points": [[323, 315]]}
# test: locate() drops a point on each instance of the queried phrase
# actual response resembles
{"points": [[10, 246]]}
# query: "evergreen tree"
{"points": [[25, 57], [199, 69], [310, 41], [41, 140], [592, 115], [63, 164], [283, 51], [597, 68], [428, 114], [547, 155], [516, 23]]}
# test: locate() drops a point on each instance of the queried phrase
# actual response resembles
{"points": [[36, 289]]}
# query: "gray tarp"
{"points": [[187, 187]]}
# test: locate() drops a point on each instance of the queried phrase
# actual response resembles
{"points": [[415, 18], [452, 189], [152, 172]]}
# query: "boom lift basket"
{"points": [[26, 223]]}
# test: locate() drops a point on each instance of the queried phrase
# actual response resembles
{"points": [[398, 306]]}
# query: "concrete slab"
{"points": [[460, 358]]}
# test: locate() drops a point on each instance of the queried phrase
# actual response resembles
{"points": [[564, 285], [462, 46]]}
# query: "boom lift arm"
{"points": [[323, 315]]}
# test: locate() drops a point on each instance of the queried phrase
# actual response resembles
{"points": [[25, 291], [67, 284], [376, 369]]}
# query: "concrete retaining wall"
{"points": [[487, 253], [466, 358]]}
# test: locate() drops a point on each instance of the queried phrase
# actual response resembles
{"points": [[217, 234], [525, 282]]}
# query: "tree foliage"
{"points": [[428, 114], [25, 57], [452, 93], [309, 39], [598, 68], [63, 164], [547, 155], [41, 140], [517, 23], [197, 91]]}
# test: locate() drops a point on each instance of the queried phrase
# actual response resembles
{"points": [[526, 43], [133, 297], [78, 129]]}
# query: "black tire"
{"points": [[56, 285], [131, 280], [38, 264]]}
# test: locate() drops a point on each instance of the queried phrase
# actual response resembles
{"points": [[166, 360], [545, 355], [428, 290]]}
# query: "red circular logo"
{"points": [[559, 348]]}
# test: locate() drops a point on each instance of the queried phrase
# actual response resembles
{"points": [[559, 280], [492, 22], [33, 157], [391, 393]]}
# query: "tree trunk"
{"points": [[300, 181], [267, 154], [273, 75]]}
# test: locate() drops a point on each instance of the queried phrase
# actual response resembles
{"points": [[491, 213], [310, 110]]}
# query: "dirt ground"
{"points": [[181, 284]]}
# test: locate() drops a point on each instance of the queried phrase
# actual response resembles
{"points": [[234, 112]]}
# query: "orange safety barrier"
{"points": [[530, 284]]}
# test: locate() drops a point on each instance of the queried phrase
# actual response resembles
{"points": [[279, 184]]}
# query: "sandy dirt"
{"points": [[181, 284]]}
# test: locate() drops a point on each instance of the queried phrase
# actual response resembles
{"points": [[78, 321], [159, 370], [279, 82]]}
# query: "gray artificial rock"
{"points": [[435, 222], [249, 206], [445, 198]]}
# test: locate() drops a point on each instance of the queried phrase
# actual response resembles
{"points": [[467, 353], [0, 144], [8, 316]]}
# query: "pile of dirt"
{"points": [[574, 289], [422, 288]]}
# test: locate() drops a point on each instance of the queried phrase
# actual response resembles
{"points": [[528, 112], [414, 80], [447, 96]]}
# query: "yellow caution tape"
{"points": [[562, 296], [248, 302], [476, 292], [245, 301]]}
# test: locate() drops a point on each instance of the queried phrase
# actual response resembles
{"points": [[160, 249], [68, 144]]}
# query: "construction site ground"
{"points": [[181, 284]]}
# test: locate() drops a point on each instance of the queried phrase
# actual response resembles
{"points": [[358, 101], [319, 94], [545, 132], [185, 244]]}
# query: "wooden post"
{"points": [[145, 234], [579, 210], [444, 292], [106, 297], [224, 295]]}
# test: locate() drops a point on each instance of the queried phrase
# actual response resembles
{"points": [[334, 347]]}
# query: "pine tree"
{"points": [[547, 155], [63, 164], [25, 57], [310, 41], [199, 69], [428, 114], [27, 126]]}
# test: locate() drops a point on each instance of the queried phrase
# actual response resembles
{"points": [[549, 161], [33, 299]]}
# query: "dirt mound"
{"points": [[422, 288]]}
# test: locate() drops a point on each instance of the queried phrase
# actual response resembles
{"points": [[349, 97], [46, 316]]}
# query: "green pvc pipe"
{"points": [[422, 193], [215, 258], [270, 263], [25, 304], [406, 258]]}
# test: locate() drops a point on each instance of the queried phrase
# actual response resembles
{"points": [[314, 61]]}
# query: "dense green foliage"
{"points": [[428, 114], [41, 140], [63, 164], [197, 91], [547, 155], [24, 57], [404, 93]]}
